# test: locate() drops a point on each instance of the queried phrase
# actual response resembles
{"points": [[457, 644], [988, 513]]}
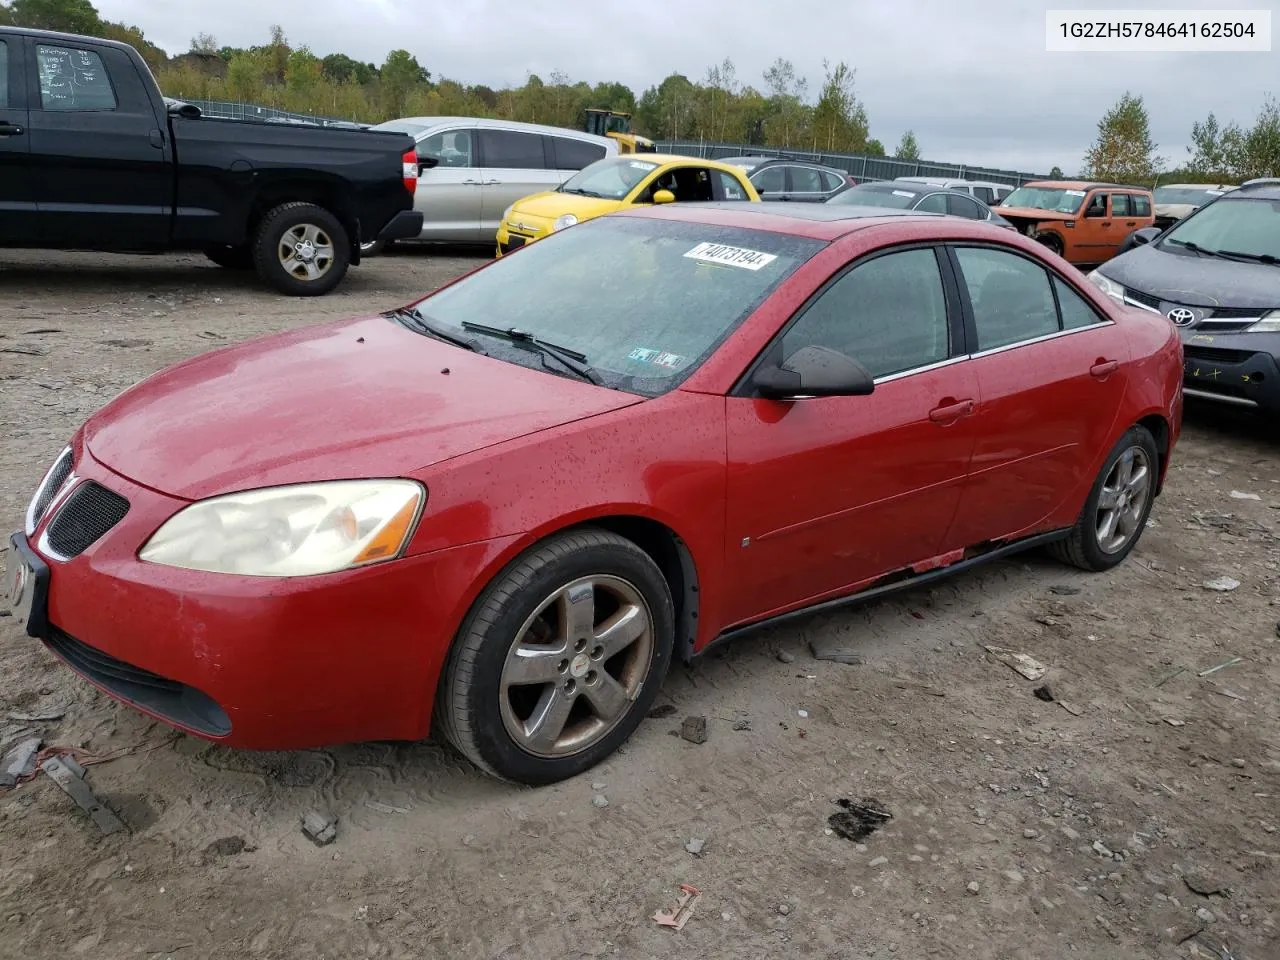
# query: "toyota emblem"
{"points": [[1181, 317]]}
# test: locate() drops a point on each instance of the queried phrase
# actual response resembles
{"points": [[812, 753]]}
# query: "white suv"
{"points": [[987, 191]]}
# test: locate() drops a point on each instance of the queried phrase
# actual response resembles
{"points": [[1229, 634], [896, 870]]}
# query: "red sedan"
{"points": [[508, 506]]}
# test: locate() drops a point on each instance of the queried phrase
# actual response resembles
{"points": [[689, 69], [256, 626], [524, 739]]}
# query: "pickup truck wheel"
{"points": [[233, 258], [375, 247], [302, 250]]}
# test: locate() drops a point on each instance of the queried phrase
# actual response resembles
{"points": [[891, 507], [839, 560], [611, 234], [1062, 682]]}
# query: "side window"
{"points": [[1141, 206], [1011, 297], [730, 187], [4, 75], [889, 314], [1097, 206], [575, 154], [507, 149], [1076, 312], [73, 79], [933, 203], [806, 180], [771, 180], [1120, 205], [830, 181], [451, 149], [959, 206], [985, 194]]}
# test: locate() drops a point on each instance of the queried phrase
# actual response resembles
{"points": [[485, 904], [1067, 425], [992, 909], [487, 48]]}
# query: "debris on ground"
{"points": [[1242, 495], [694, 729], [47, 716], [1222, 666], [1204, 884], [835, 650], [1030, 668], [742, 724], [227, 847], [1221, 584], [20, 762], [598, 785], [600, 800], [661, 711], [1063, 590], [802, 714], [384, 807], [785, 657], [784, 909], [69, 775], [1169, 676], [695, 846], [1043, 692], [1071, 708], [857, 820], [972, 887], [679, 915], [321, 828], [1175, 723]]}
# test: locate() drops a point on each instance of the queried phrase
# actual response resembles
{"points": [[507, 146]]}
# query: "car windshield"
{"points": [[612, 178], [686, 287], [1180, 195], [1240, 225], [875, 195], [1057, 199]]}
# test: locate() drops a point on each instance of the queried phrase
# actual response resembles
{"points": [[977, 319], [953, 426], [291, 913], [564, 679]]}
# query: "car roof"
{"points": [[1197, 186], [491, 123], [63, 37], [1256, 191], [1082, 185]]}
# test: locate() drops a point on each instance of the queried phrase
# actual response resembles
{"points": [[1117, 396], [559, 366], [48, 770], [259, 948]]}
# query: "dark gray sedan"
{"points": [[777, 178], [926, 199]]}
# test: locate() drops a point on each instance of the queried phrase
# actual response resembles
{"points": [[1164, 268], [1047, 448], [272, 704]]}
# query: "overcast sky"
{"points": [[971, 78]]}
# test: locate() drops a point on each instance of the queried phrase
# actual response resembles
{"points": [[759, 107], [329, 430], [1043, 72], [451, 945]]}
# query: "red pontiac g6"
{"points": [[503, 510]]}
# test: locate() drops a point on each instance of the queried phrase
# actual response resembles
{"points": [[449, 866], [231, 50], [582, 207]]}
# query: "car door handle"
{"points": [[10, 130], [1132, 223], [1104, 368], [474, 183], [157, 139], [950, 412], [490, 183]]}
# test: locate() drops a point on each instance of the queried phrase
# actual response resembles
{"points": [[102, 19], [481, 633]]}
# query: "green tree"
{"points": [[1123, 151], [839, 119], [1259, 155], [786, 115], [907, 148], [1056, 174], [205, 44], [399, 75], [874, 148], [70, 16]]}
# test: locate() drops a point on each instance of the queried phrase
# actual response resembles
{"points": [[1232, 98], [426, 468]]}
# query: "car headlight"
{"points": [[1107, 286], [292, 531], [1270, 323], [566, 220]]}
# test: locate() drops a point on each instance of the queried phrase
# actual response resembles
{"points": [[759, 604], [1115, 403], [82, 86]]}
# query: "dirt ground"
{"points": [[1138, 808]]}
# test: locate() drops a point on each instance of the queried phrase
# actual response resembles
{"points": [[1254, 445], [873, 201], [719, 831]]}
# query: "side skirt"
{"points": [[889, 584]]}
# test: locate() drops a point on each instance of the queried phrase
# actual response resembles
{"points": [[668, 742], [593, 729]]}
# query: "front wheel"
{"points": [[559, 659], [1116, 511], [301, 250], [1051, 241]]}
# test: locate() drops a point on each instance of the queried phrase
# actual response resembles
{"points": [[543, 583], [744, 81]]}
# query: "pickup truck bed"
{"points": [[92, 157]]}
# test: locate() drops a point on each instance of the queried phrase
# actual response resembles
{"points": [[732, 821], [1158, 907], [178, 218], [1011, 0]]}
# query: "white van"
{"points": [[987, 191]]}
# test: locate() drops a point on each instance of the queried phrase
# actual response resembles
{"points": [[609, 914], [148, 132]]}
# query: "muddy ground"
{"points": [[1020, 828]]}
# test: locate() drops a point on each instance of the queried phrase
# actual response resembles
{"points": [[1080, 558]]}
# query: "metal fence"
{"points": [[858, 165], [228, 110]]}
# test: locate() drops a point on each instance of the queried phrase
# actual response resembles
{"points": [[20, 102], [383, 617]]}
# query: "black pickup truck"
{"points": [[92, 157]]}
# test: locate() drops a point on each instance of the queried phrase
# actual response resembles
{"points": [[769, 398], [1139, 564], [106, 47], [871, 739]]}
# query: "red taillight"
{"points": [[409, 164]]}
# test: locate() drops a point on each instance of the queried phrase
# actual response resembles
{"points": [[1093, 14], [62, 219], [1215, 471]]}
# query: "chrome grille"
{"points": [[84, 517], [49, 486]]}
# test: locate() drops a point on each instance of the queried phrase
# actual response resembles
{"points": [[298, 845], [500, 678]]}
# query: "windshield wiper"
{"points": [[1252, 257], [571, 360], [419, 322], [583, 193], [1193, 247]]}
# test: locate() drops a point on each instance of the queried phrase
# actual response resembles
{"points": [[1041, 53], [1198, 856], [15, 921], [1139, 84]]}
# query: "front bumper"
{"points": [[510, 239], [405, 225], [263, 663], [1232, 374]]}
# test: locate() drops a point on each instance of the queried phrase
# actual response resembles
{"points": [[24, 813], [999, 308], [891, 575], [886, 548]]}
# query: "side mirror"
{"points": [[814, 372], [664, 196], [427, 163], [1145, 235]]}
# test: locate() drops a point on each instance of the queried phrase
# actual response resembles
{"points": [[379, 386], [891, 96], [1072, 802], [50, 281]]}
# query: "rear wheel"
{"points": [[301, 250], [559, 659], [1116, 511], [233, 258]]}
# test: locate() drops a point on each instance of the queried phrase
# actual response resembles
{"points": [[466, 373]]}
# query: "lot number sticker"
{"points": [[731, 256]]}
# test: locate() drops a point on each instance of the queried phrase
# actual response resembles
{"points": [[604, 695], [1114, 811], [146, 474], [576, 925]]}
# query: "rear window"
{"points": [[696, 282], [1141, 206], [573, 154], [4, 75], [877, 196]]}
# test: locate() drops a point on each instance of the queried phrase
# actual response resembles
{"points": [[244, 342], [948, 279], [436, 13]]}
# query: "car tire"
{"points": [[1095, 543], [232, 258], [1051, 241], [375, 247], [519, 629], [286, 237]]}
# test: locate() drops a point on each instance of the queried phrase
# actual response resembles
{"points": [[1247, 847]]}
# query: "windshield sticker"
{"points": [[731, 256], [903, 193], [672, 361], [1215, 193], [1074, 193], [640, 165]]}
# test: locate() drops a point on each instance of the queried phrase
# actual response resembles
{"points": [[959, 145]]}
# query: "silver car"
{"points": [[471, 169], [985, 190]]}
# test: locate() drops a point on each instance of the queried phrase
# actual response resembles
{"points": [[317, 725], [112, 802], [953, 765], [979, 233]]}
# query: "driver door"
{"points": [[825, 494]]}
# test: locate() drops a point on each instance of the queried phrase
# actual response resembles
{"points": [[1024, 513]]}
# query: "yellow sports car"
{"points": [[616, 182]]}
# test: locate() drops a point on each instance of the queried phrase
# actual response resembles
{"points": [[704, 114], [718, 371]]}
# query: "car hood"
{"points": [[1196, 281], [1031, 213], [358, 398], [551, 204]]}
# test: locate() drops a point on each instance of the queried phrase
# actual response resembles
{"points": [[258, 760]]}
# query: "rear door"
{"points": [[805, 184], [101, 155], [568, 155], [514, 164], [18, 220], [959, 205], [449, 188], [1051, 375], [1124, 220], [771, 182]]}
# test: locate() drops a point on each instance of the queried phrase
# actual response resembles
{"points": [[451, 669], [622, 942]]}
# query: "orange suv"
{"points": [[1081, 221]]}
